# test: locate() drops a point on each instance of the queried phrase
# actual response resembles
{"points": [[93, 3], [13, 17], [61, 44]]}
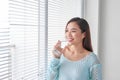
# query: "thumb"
{"points": [[64, 49]]}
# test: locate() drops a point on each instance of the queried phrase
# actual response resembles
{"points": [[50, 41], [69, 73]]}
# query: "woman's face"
{"points": [[73, 34]]}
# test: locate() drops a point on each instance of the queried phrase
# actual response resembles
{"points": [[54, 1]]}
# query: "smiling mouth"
{"points": [[70, 40]]}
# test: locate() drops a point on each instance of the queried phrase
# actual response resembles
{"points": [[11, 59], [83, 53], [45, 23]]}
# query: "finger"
{"points": [[58, 49], [58, 43], [56, 53]]}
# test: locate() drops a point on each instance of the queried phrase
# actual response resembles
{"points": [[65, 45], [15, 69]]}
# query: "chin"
{"points": [[70, 43]]}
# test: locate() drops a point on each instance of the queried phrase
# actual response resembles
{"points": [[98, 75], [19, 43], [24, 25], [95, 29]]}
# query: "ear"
{"points": [[83, 35]]}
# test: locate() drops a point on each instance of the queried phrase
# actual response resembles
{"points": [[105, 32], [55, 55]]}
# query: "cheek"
{"points": [[78, 37]]}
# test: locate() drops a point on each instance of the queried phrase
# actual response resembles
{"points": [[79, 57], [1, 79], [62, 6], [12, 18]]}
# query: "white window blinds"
{"points": [[5, 56], [23, 22], [59, 12]]}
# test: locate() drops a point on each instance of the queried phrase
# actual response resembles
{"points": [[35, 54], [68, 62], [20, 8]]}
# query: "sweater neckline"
{"points": [[84, 58]]}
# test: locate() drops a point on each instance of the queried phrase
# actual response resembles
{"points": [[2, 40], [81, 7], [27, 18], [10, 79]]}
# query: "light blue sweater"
{"points": [[88, 68]]}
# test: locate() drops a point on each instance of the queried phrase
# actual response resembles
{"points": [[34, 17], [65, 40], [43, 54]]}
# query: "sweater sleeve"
{"points": [[53, 69], [95, 71]]}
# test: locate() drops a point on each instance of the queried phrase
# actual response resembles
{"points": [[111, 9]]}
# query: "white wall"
{"points": [[109, 39], [109, 34]]}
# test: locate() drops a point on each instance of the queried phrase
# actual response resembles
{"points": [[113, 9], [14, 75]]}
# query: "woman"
{"points": [[76, 61]]}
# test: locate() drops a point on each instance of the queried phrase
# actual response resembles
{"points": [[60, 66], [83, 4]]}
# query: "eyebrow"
{"points": [[72, 29]]}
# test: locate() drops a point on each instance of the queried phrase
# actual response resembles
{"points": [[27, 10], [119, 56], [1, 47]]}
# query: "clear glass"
{"points": [[63, 43]]}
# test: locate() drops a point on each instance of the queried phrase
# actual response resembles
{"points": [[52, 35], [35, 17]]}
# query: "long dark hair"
{"points": [[84, 26]]}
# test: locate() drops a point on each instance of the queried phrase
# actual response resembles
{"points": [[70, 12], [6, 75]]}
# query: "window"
{"points": [[23, 23], [5, 48], [28, 31]]}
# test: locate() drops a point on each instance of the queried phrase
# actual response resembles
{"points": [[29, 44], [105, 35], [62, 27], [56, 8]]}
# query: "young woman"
{"points": [[76, 61]]}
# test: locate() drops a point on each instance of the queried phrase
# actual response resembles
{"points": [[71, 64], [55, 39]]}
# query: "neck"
{"points": [[77, 49]]}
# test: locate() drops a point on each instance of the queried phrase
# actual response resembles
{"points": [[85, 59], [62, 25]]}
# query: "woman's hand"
{"points": [[57, 50]]}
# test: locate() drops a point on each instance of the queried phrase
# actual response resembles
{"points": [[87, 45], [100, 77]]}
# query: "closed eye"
{"points": [[73, 31]]}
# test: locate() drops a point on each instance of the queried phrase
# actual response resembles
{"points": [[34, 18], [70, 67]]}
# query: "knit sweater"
{"points": [[87, 68]]}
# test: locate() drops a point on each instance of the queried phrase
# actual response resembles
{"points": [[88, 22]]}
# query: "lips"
{"points": [[70, 39]]}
